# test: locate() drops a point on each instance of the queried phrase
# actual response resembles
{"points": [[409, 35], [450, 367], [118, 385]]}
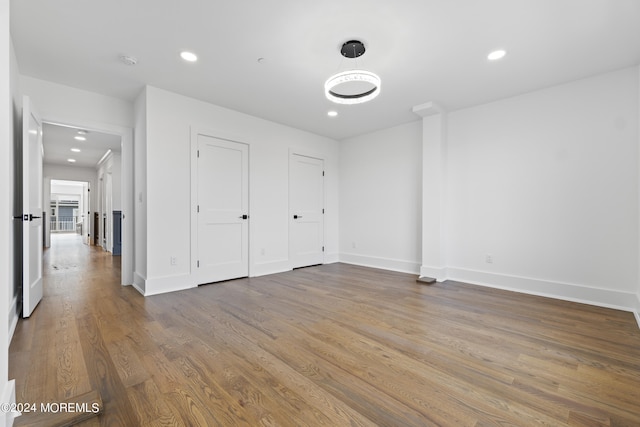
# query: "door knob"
{"points": [[244, 216], [297, 216]]}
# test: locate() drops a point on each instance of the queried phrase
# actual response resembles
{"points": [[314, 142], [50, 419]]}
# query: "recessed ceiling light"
{"points": [[80, 138], [188, 56], [496, 54], [76, 150], [71, 160], [332, 113]]}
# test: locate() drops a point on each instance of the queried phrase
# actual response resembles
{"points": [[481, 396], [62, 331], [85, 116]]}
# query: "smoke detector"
{"points": [[128, 60]]}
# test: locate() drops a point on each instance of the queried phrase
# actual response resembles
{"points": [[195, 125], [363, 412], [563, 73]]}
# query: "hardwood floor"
{"points": [[332, 345]]}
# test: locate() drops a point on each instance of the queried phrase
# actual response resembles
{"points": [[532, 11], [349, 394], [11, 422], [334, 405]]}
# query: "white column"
{"points": [[434, 150]]}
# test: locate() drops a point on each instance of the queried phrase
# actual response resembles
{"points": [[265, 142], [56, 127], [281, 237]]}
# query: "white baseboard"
{"points": [[401, 266], [138, 288], [438, 273], [636, 312], [162, 285], [139, 282], [13, 317], [331, 258], [8, 396], [271, 267], [565, 291]]}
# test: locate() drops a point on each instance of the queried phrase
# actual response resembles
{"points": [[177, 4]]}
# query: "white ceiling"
{"points": [[423, 50], [59, 140]]}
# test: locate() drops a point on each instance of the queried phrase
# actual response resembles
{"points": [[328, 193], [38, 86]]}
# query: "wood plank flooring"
{"points": [[332, 345]]}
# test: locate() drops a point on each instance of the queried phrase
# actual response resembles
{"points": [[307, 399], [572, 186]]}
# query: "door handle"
{"points": [[244, 216], [32, 217], [297, 216]]}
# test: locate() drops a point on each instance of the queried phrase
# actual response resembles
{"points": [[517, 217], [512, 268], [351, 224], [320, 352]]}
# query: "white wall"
{"points": [[67, 105], [67, 190], [140, 191], [547, 184], [380, 198], [637, 310], [169, 121], [8, 90]]}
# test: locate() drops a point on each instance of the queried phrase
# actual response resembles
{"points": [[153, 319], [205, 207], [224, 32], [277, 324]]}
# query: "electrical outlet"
{"points": [[173, 260], [489, 259]]}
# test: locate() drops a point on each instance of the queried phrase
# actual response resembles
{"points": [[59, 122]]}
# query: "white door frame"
{"points": [[126, 150]]}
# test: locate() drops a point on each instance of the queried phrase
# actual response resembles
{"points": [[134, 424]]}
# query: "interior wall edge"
{"points": [[8, 397], [438, 273], [138, 288], [332, 258], [606, 298], [165, 284], [269, 267], [637, 310], [139, 282], [13, 317]]}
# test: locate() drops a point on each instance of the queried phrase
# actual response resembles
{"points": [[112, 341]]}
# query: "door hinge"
{"points": [[322, 210], [198, 153], [198, 263], [198, 209], [323, 249], [322, 173]]}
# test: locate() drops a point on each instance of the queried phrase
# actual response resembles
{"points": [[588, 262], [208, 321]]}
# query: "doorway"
{"points": [[83, 180], [69, 210]]}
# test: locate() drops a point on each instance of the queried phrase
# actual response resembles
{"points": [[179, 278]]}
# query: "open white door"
{"points": [[306, 211], [32, 154]]}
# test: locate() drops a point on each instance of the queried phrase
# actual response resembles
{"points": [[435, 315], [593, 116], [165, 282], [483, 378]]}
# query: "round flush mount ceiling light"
{"points": [[332, 113], [71, 160], [352, 86], [80, 138], [496, 54], [188, 56]]}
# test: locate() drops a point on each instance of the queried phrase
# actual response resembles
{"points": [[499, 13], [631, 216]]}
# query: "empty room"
{"points": [[294, 213]]}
